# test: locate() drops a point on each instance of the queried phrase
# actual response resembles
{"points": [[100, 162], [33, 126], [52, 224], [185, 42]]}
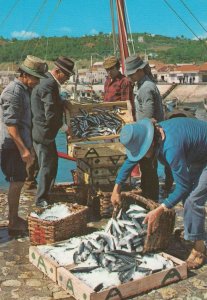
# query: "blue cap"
{"points": [[137, 138]]}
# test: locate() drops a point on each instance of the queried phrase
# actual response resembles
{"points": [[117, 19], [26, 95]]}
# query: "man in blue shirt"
{"points": [[16, 127], [180, 143]]}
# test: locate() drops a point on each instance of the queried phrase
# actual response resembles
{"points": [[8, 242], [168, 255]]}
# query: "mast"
{"points": [[122, 31], [113, 27]]}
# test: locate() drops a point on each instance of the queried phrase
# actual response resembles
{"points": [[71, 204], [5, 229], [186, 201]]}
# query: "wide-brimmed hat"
{"points": [[65, 64], [134, 63], [34, 66], [137, 138], [110, 62]]}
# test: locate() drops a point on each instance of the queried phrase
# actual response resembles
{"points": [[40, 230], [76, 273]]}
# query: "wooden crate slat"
{"points": [[43, 263], [110, 161], [95, 150]]}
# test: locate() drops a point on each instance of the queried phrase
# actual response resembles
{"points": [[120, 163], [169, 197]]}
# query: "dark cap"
{"points": [[65, 64]]}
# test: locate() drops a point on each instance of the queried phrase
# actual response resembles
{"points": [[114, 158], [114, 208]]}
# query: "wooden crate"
{"points": [[96, 149], [74, 109], [43, 263], [86, 178], [98, 171], [108, 161], [79, 290]]}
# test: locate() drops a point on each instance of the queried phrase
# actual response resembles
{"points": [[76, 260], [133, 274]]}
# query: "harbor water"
{"points": [[65, 166]]}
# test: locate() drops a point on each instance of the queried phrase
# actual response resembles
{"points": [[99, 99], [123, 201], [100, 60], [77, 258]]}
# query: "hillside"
{"points": [[166, 49]]}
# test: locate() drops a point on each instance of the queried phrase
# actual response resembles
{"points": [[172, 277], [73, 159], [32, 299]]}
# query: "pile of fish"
{"points": [[55, 212], [101, 122], [119, 249]]}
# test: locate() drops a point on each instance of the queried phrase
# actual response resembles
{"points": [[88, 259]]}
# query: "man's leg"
{"points": [[15, 171], [15, 222], [194, 221], [48, 162]]}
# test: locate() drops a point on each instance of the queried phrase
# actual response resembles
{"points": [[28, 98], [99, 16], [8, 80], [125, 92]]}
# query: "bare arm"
{"points": [[116, 195]]}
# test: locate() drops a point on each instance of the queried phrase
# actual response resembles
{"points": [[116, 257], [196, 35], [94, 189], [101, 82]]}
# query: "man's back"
{"points": [[46, 110], [148, 101]]}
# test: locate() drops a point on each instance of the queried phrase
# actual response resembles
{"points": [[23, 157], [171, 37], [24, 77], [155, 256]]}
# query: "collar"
{"points": [[119, 76], [58, 82], [21, 83], [142, 80]]}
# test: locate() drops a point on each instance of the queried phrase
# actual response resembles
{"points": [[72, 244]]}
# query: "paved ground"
{"points": [[19, 279]]}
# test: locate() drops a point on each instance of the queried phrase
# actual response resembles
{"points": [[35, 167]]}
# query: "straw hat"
{"points": [[110, 62], [65, 64], [137, 138], [34, 66], [134, 63]]}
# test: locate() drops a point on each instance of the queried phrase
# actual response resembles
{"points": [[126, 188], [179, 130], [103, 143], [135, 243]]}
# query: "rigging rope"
{"points": [[130, 32], [34, 21], [193, 15], [9, 13], [185, 23], [49, 20]]}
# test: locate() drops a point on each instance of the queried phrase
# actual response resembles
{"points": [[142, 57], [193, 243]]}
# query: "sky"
{"points": [[25, 19]]}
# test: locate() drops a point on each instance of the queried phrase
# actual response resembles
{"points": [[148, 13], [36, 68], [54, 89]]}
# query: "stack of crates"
{"points": [[99, 157]]}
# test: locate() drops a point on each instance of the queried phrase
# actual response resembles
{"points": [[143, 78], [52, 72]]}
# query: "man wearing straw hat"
{"points": [[17, 126], [148, 104], [180, 143], [117, 86], [47, 109]]}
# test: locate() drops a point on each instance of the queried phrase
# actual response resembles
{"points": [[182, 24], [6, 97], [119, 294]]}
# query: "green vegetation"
{"points": [[166, 49]]}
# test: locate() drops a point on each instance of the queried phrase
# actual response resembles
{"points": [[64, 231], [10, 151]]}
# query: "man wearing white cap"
{"points": [[17, 140]]}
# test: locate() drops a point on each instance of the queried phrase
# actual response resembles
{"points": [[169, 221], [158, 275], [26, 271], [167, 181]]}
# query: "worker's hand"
{"points": [[116, 195], [27, 157], [152, 219], [69, 134], [116, 199]]}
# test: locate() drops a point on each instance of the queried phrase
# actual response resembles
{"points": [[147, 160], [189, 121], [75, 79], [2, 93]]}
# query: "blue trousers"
{"points": [[194, 206], [48, 164]]}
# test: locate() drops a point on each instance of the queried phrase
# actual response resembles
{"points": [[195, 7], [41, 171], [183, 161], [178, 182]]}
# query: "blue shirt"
{"points": [[185, 144], [16, 111]]}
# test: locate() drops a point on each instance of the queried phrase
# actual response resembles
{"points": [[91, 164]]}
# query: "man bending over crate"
{"points": [[180, 143]]}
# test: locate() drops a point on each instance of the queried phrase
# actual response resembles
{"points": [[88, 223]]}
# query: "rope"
{"points": [[49, 20], [9, 13], [34, 20], [184, 23], [130, 31], [193, 15]]}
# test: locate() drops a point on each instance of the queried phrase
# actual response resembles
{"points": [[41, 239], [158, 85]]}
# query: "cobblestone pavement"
{"points": [[19, 279]]}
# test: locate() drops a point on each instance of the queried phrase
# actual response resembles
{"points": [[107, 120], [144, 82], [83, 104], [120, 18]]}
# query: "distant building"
{"points": [[183, 73]]}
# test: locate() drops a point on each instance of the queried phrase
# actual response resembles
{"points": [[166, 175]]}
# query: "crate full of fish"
{"points": [[57, 222], [96, 121], [110, 262], [97, 283]]}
